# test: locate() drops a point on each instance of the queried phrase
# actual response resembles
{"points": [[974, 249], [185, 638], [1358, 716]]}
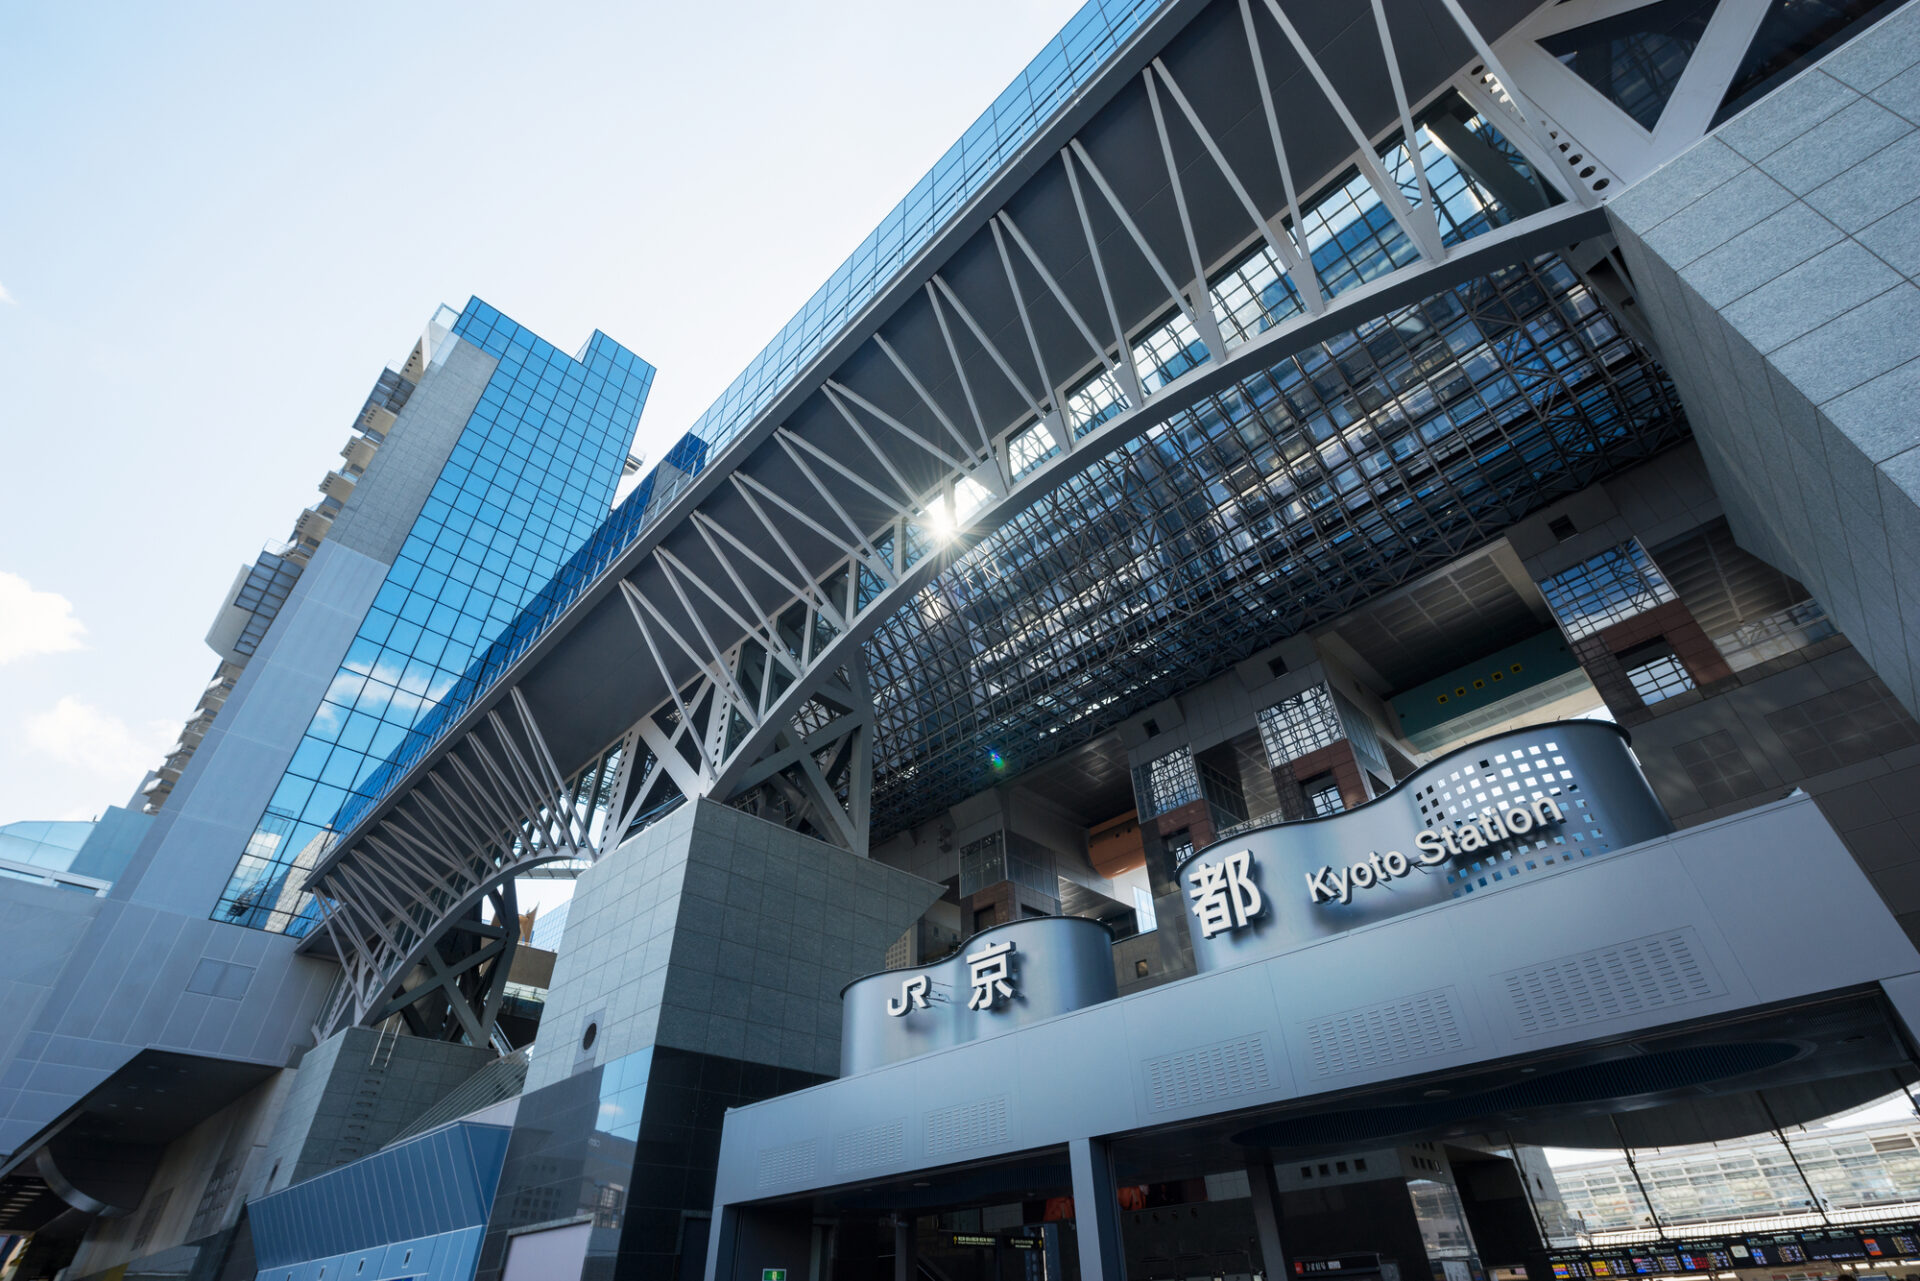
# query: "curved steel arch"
{"points": [[502, 810]]}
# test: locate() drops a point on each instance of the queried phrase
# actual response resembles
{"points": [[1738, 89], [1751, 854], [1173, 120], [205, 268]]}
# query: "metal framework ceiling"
{"points": [[1252, 518]]}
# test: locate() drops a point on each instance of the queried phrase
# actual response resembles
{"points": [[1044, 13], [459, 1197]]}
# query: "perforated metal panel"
{"points": [[1641, 974], [967, 1125], [876, 1145], [789, 1163], [1600, 804], [1412, 1027], [1206, 1073]]}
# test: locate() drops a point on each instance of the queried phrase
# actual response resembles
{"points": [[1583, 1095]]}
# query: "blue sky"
{"points": [[219, 221]]}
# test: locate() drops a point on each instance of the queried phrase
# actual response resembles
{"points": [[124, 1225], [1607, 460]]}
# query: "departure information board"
{"points": [[1888, 1241]]}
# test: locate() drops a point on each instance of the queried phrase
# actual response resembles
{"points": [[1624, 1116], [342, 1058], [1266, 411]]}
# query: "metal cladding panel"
{"points": [[1314, 879], [436, 1183], [1661, 935], [1058, 963]]}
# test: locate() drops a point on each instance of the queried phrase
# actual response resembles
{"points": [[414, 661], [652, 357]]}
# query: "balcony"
{"points": [[312, 526], [359, 452], [337, 486]]}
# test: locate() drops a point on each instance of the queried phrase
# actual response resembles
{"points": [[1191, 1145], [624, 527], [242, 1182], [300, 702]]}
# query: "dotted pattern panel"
{"points": [[874, 1146], [789, 1163], [1513, 780], [1642, 974], [1412, 1027], [967, 1125], [1209, 1072]]}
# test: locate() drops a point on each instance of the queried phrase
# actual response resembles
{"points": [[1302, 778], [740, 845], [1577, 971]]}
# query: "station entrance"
{"points": [[1453, 1177]]}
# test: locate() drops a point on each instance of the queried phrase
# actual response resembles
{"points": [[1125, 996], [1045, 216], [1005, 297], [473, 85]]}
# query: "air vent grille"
{"points": [[876, 1145], [967, 1125], [789, 1163], [1613, 982], [1412, 1027], [1209, 1072]]}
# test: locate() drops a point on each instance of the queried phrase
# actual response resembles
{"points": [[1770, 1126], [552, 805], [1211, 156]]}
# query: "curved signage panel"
{"points": [[1475, 820], [1000, 979]]}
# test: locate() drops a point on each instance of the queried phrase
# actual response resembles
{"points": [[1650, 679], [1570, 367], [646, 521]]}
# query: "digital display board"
{"points": [[1706, 1255]]}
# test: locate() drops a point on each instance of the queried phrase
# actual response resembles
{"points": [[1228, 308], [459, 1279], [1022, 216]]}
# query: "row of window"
{"points": [[534, 467]]}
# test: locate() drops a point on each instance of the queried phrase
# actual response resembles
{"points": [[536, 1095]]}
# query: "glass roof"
{"points": [[1363, 462]]}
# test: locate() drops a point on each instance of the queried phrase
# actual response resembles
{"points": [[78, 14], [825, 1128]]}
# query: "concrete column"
{"points": [[1096, 1208], [905, 1248], [721, 1239], [1266, 1216]]}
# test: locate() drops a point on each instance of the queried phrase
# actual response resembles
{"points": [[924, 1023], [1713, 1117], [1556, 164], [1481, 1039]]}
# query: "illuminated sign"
{"points": [[1721, 1254]]}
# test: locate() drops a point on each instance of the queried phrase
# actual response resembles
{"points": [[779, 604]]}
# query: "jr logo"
{"points": [[913, 996]]}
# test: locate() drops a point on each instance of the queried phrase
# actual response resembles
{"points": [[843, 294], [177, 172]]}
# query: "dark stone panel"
{"points": [[630, 1146]]}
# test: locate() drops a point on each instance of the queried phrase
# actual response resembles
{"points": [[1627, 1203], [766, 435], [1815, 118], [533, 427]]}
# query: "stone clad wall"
{"points": [[719, 933], [1776, 262]]}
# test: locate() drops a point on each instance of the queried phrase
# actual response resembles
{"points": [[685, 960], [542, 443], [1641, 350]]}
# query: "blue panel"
{"points": [[427, 1187], [1483, 682]]}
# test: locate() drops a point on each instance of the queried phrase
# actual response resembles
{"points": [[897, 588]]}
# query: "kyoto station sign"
{"points": [[1515, 806]]}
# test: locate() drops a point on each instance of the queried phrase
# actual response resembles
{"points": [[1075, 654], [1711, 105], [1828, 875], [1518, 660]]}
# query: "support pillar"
{"points": [[905, 1248], [1096, 1209], [1266, 1215], [721, 1238]]}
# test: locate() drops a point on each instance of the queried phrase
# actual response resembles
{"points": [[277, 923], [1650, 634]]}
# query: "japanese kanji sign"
{"points": [[1223, 893], [990, 972]]}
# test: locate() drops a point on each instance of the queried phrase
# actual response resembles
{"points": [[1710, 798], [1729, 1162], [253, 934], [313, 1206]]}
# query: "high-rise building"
{"points": [[476, 469], [1320, 611]]}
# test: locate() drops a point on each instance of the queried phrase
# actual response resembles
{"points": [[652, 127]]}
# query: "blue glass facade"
{"points": [[627, 1148], [527, 485], [686, 458], [416, 1210]]}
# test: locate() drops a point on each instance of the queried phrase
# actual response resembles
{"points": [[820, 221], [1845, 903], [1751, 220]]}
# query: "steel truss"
{"points": [[778, 715], [406, 919]]}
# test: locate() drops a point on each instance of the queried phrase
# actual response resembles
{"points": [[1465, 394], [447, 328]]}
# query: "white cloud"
{"points": [[81, 735], [34, 622], [7, 297]]}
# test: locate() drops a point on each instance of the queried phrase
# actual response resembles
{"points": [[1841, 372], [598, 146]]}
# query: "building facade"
{"points": [[1093, 757], [475, 470]]}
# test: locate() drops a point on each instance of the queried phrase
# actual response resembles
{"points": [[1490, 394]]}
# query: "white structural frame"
{"points": [[777, 716], [1599, 134]]}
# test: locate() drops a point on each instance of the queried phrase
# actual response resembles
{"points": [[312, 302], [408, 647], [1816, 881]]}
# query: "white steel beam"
{"points": [[1308, 281], [1423, 237], [1209, 324], [1124, 349]]}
